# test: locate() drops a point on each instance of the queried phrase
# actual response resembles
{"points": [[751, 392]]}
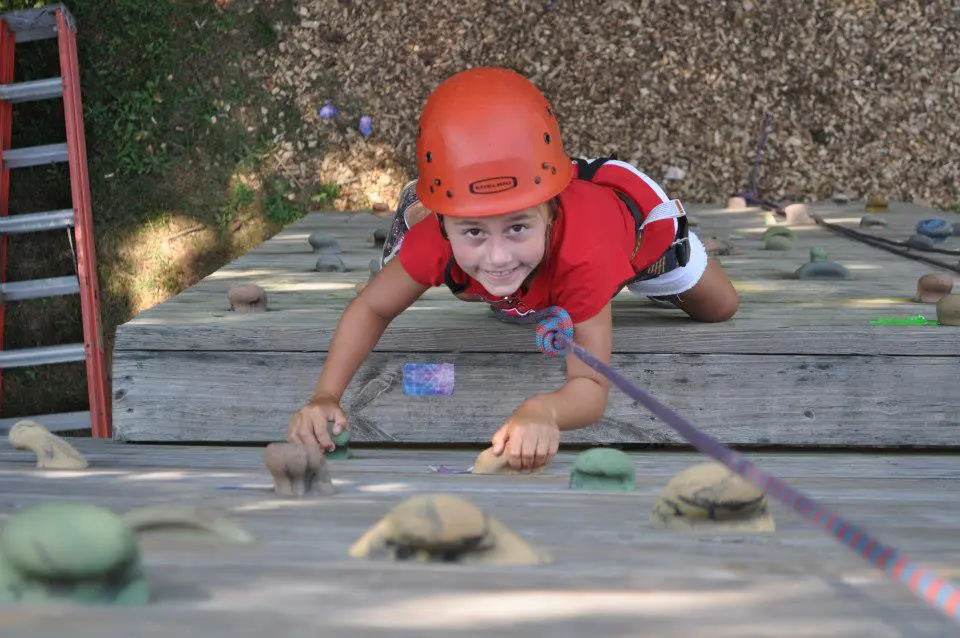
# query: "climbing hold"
{"points": [[932, 286], [828, 270], [488, 463], [736, 204], [327, 111], [165, 517], [70, 553], [324, 243], [379, 208], [818, 253], [365, 126], [442, 528], [330, 263], [245, 298], [840, 198], [797, 214], [341, 443], [378, 237], [603, 469], [920, 242], [779, 231], [936, 229], [777, 242], [871, 221], [53, 452], [375, 267], [720, 247], [948, 310], [708, 496], [875, 204], [298, 470]]}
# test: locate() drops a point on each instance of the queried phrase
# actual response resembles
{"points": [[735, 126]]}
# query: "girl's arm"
{"points": [[582, 400], [388, 294]]}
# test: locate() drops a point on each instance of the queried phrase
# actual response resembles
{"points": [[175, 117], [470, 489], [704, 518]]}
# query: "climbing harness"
{"points": [[555, 338]]}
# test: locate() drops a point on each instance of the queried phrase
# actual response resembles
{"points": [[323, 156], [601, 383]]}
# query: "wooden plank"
{"points": [[614, 574], [746, 400]]}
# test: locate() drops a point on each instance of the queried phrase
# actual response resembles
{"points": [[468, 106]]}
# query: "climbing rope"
{"points": [[555, 338], [896, 247]]}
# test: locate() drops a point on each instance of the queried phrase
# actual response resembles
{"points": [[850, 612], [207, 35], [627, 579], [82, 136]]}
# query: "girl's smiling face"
{"points": [[500, 252]]}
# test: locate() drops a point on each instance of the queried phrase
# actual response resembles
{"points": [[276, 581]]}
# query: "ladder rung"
{"points": [[41, 356], [32, 90], [53, 422], [34, 155], [33, 24], [37, 288], [33, 222]]}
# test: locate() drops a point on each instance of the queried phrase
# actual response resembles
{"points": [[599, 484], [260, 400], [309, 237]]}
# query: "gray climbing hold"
{"points": [[374, 266], [920, 242], [324, 243], [378, 237], [330, 263], [871, 221], [829, 270]]}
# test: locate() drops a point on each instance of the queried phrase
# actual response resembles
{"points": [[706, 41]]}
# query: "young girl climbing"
{"points": [[500, 214]]}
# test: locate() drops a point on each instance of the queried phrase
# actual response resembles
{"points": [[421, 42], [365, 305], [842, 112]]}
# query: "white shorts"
{"points": [[678, 280]]}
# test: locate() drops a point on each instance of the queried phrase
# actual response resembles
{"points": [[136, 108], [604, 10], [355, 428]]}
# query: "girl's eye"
{"points": [[472, 232], [518, 228]]}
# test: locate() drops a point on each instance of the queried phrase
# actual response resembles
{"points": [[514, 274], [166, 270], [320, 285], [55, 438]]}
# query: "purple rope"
{"points": [[555, 338]]}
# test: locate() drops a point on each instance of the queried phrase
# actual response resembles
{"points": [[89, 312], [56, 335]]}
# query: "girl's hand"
{"points": [[530, 439], [309, 425]]}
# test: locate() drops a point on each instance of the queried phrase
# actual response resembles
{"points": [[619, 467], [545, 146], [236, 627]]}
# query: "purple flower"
{"points": [[366, 126], [328, 111]]}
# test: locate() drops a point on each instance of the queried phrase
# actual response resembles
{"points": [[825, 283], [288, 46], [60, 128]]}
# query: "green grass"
{"points": [[180, 183]]}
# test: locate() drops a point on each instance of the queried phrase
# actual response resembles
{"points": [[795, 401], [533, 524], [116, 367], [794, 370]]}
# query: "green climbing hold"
{"points": [[779, 231], [778, 242], [603, 469], [818, 253], [918, 320], [70, 552], [341, 444]]}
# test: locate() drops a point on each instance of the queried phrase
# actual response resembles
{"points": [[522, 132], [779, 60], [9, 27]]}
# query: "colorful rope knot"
{"points": [[555, 332]]}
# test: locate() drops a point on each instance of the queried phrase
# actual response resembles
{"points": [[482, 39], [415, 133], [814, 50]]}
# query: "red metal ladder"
{"points": [[17, 27]]}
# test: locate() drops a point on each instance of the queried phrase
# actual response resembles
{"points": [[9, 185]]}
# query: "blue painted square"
{"points": [[428, 379]]}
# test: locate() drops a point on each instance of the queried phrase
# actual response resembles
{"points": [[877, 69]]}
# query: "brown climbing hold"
{"points": [[932, 286], [298, 470], [708, 497], [53, 452], [444, 528], [948, 310], [487, 463], [247, 298], [381, 207], [716, 246]]}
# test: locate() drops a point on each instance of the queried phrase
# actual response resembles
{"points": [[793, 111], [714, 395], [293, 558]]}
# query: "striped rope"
{"points": [[555, 338]]}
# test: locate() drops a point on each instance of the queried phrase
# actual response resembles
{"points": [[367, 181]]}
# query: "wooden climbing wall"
{"points": [[800, 364], [612, 575]]}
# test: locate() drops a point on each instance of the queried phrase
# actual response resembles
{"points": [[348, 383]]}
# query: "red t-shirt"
{"points": [[585, 265]]}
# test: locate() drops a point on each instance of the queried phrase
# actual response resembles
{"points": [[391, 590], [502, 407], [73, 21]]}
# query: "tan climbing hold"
{"points": [[444, 528], [247, 298], [932, 286], [488, 463], [381, 207], [798, 215], [948, 310], [709, 497], [736, 204], [876, 204], [163, 517], [53, 452], [298, 470]]}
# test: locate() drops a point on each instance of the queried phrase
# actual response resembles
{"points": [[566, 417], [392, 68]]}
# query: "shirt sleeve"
{"points": [[424, 252], [585, 286]]}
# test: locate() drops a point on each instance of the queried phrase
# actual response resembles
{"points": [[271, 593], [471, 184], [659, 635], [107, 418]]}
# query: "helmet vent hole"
{"points": [[546, 138], [536, 180], [449, 194], [546, 165], [429, 156], [553, 170], [431, 188], [436, 181]]}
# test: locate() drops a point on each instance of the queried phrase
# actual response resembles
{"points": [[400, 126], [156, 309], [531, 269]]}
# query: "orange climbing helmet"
{"points": [[488, 143]]}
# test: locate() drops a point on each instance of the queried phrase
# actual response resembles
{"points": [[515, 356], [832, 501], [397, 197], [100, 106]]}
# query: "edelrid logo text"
{"points": [[493, 185]]}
